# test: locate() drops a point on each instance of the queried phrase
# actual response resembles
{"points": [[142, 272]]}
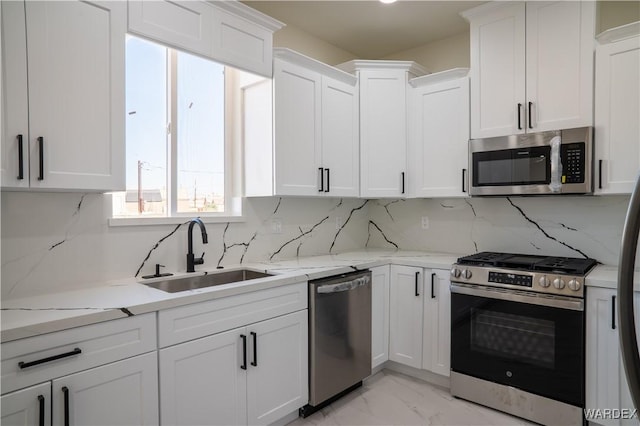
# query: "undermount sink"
{"points": [[202, 281]]}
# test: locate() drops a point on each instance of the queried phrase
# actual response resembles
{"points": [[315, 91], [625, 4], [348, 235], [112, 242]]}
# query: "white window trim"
{"points": [[234, 206]]}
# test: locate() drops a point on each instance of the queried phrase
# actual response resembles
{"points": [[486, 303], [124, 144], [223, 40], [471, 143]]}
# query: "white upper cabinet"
{"points": [[383, 125], [226, 31], [75, 102], [617, 128], [531, 67], [310, 148], [439, 134]]}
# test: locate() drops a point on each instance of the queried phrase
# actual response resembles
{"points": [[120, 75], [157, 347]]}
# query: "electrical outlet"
{"points": [[276, 226], [425, 222], [339, 222]]}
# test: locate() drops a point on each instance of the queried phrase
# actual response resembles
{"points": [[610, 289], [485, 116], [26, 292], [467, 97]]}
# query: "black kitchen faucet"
{"points": [[191, 259]]}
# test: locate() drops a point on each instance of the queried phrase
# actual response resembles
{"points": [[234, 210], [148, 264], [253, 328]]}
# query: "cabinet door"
{"points": [[436, 348], [498, 71], [121, 393], [383, 133], [297, 130], [202, 381], [187, 25], [560, 44], [439, 140], [340, 138], [617, 129], [603, 363], [405, 321], [277, 377], [27, 407], [76, 94], [379, 315], [14, 120]]}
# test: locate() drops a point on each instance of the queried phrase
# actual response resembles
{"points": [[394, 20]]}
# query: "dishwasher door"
{"points": [[339, 334]]}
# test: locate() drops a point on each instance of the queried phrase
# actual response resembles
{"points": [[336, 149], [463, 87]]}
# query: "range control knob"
{"points": [[466, 274], [455, 272], [574, 284], [558, 283], [544, 281]]}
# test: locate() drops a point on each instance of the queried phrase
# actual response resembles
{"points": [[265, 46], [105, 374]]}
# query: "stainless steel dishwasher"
{"points": [[339, 337]]}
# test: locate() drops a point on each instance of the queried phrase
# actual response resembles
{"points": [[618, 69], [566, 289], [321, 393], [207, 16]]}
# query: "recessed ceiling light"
{"points": [[387, 1]]}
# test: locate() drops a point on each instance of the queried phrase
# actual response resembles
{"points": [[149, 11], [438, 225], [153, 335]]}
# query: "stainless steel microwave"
{"points": [[545, 163]]}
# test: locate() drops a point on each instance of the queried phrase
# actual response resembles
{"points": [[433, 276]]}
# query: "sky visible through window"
{"points": [[200, 132]]}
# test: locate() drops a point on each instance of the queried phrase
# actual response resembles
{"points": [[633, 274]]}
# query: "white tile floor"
{"points": [[390, 398]]}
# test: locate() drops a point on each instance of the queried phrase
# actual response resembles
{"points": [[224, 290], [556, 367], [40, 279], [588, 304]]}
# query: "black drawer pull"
{"points": [[41, 409], [402, 176], [41, 159], [433, 277], [65, 391], [599, 174], [613, 312], [321, 170], [255, 349], [417, 277], [530, 108], [519, 118], [76, 351], [20, 159], [244, 351]]}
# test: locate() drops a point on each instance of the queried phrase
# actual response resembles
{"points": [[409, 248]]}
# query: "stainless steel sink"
{"points": [[202, 281]]}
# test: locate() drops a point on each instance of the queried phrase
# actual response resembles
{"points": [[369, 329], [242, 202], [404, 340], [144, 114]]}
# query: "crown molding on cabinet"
{"points": [[357, 64], [438, 77], [619, 33], [294, 57], [468, 14], [248, 13]]}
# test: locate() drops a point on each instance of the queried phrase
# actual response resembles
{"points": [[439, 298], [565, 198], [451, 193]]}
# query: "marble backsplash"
{"points": [[52, 241]]}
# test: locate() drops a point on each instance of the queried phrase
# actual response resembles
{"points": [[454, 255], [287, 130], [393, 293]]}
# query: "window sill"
{"points": [[151, 221]]}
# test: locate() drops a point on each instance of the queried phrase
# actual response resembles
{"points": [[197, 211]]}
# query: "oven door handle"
{"points": [[542, 300]]}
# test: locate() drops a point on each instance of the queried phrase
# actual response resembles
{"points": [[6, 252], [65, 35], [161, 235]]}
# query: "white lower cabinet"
{"points": [[419, 326], [27, 407], [249, 375], [379, 315], [606, 385]]}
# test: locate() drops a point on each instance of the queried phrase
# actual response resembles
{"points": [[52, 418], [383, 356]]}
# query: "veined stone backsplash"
{"points": [[52, 241]]}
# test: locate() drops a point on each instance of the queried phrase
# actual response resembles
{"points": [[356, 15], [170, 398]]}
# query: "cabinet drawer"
{"points": [[190, 322], [98, 344]]}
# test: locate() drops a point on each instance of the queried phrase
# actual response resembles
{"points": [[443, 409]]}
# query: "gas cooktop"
{"points": [[526, 262]]}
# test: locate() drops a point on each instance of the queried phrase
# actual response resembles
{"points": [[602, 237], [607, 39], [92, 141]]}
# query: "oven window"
{"points": [[526, 339]]}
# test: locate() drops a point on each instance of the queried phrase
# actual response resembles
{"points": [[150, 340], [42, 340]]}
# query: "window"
{"points": [[175, 134]]}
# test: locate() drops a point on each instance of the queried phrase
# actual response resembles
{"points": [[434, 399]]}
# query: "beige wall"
{"points": [[303, 42], [440, 55], [615, 13]]}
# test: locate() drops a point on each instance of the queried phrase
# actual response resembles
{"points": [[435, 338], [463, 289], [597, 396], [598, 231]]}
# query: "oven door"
{"points": [[531, 342]]}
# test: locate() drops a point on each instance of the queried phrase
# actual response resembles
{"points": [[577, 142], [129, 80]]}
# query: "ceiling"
{"points": [[370, 29]]}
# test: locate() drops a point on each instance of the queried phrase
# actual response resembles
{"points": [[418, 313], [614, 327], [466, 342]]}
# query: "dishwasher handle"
{"points": [[344, 286]]}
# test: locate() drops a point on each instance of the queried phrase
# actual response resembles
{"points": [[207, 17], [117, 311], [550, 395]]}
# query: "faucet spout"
{"points": [[191, 259]]}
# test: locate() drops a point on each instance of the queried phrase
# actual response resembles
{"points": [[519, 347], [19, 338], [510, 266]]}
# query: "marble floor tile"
{"points": [[390, 398]]}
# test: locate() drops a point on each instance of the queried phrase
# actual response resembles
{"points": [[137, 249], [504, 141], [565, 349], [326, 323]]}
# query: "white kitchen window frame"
{"points": [[233, 205]]}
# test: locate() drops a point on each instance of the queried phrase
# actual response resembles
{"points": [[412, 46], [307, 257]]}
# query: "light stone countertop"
{"points": [[607, 276], [25, 317]]}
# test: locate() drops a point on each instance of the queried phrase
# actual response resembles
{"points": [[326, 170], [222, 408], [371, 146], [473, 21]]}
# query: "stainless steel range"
{"points": [[517, 334]]}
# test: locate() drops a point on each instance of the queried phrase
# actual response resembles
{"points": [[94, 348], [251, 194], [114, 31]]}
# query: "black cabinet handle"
{"points": [[20, 159], [613, 312], [255, 349], [76, 351], [41, 163], [600, 174], [402, 176], [417, 276], [244, 351], [464, 172], [328, 183], [433, 278], [530, 107], [65, 391], [41, 408], [519, 118], [321, 170]]}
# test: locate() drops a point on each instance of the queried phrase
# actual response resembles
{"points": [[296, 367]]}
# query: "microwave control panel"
{"points": [[572, 156]]}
